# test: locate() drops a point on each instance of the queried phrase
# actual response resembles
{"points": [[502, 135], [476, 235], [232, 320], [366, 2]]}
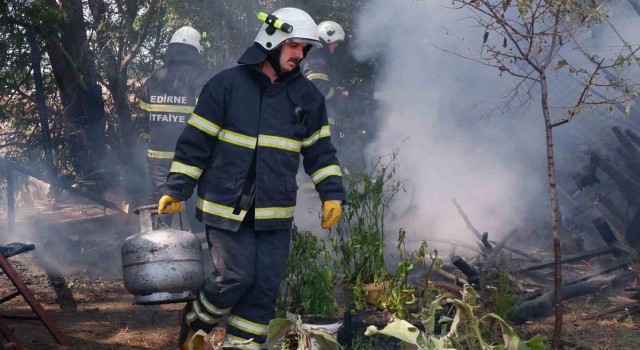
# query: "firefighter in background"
{"points": [[318, 67], [242, 146], [168, 97]]}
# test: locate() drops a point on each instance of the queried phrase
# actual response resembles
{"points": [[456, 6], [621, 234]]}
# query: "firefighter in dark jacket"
{"points": [[242, 146], [318, 66], [168, 97]]}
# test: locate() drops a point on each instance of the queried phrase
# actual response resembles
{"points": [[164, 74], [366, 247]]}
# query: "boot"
{"points": [[186, 334]]}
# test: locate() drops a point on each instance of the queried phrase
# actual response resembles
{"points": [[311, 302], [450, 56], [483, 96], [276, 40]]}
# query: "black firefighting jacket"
{"points": [[317, 68], [169, 95], [242, 147]]}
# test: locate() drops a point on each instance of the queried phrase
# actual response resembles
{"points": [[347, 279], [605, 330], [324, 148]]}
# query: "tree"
{"points": [[523, 39]]}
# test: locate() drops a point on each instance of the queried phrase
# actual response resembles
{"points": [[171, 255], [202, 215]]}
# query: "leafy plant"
{"points": [[309, 284], [464, 330], [359, 237]]}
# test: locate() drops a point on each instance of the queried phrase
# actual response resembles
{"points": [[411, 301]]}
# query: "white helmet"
{"points": [[187, 35], [304, 29], [330, 31]]}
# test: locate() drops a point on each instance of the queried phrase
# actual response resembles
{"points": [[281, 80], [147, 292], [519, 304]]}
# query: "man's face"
{"points": [[333, 46], [291, 55]]}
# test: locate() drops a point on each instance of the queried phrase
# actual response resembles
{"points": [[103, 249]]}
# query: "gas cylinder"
{"points": [[161, 265]]}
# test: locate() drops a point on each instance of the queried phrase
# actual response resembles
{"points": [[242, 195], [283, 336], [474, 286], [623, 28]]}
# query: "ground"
{"points": [[94, 311]]}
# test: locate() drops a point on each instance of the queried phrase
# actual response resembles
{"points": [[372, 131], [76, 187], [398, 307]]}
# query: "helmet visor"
{"points": [[310, 42]]}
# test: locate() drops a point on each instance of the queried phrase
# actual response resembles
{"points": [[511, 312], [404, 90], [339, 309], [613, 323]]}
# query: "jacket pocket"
{"points": [[299, 131], [290, 184], [218, 178]]}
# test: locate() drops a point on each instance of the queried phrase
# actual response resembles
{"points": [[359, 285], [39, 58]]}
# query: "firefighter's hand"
{"points": [[169, 205], [331, 212], [341, 93]]}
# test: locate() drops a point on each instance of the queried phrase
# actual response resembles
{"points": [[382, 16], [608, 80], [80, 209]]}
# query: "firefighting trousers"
{"points": [[186, 220], [248, 268]]}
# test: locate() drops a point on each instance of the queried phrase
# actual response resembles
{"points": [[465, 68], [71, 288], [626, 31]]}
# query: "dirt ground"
{"points": [[94, 311]]}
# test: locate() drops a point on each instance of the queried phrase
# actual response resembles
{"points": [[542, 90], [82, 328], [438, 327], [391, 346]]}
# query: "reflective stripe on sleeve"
{"points": [[219, 210], [330, 94], [159, 154], [323, 132], [191, 171], [203, 125], [237, 139], [274, 213], [279, 142], [325, 172], [151, 107], [318, 76]]}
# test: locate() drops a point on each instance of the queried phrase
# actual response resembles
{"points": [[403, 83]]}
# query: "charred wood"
{"points": [[543, 305], [629, 188], [472, 274]]}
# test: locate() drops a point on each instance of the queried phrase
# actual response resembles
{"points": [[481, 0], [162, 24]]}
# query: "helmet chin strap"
{"points": [[273, 56]]}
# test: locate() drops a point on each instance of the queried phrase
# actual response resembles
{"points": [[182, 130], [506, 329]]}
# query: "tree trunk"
{"points": [[555, 215], [74, 69], [40, 101]]}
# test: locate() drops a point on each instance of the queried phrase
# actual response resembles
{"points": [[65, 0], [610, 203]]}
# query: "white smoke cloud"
{"points": [[495, 167]]}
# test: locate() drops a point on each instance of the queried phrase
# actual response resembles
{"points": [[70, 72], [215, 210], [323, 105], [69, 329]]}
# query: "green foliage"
{"points": [[504, 297], [360, 232], [309, 282], [465, 329]]}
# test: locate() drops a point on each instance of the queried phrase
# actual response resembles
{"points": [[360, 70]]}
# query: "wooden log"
{"points": [[589, 254], [543, 305]]}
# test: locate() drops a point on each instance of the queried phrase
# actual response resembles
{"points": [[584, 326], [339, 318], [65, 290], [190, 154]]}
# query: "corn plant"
{"points": [[464, 329]]}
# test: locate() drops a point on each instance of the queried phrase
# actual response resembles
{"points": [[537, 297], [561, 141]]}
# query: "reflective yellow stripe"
{"points": [[191, 171], [325, 172], [150, 107], [323, 132], [245, 342], [219, 210], [201, 315], [318, 76], [159, 154], [204, 125], [279, 142], [191, 316], [274, 213], [330, 94], [210, 308], [247, 326], [237, 139]]}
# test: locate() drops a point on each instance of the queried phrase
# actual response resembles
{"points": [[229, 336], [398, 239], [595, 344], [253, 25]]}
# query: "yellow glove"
{"points": [[331, 212], [169, 205]]}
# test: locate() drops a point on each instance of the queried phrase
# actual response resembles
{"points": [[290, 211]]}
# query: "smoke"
{"points": [[493, 167]]}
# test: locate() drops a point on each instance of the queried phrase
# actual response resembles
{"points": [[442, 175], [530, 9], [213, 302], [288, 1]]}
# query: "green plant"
{"points": [[309, 284], [464, 332], [359, 238], [399, 295], [504, 297]]}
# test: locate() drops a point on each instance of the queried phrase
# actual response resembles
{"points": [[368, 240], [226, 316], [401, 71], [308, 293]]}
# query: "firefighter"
{"points": [[242, 146], [168, 97], [318, 66]]}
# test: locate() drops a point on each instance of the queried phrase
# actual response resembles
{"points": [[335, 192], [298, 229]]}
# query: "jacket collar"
{"points": [[255, 54], [182, 52]]}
